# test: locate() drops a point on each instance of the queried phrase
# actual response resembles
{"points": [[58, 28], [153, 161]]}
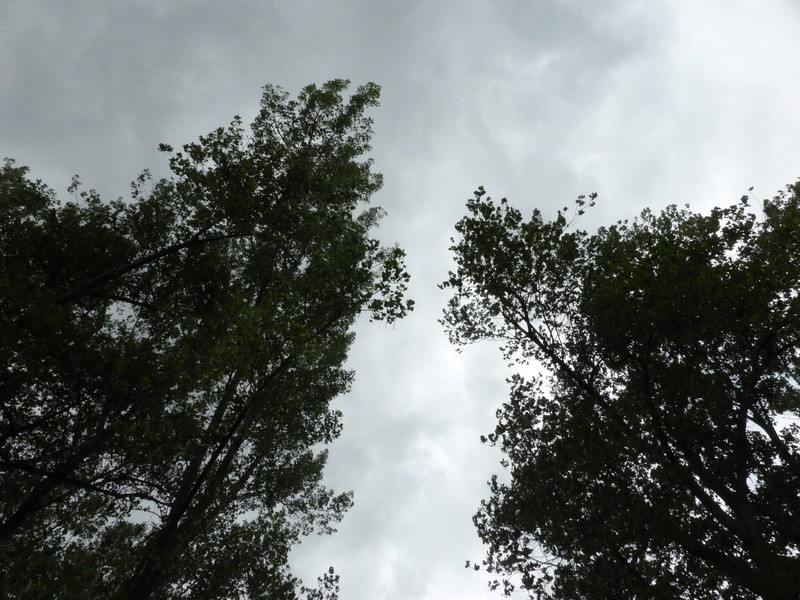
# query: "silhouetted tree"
{"points": [[168, 362], [657, 454]]}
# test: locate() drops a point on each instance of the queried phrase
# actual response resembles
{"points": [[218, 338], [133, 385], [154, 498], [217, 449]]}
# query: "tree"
{"points": [[657, 454], [170, 361]]}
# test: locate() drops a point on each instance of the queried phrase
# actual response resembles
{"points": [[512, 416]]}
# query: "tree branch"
{"points": [[109, 276]]}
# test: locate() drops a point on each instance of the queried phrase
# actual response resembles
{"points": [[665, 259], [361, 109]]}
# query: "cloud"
{"points": [[647, 103]]}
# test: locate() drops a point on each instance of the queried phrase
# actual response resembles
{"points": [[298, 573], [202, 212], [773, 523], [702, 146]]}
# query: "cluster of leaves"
{"points": [[168, 362], [658, 456]]}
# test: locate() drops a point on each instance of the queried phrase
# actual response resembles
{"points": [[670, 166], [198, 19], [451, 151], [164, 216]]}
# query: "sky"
{"points": [[647, 103]]}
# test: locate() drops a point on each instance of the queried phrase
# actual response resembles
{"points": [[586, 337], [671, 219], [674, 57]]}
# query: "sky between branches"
{"points": [[647, 103]]}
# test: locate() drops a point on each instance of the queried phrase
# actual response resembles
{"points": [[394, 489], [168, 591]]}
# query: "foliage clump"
{"points": [[168, 362], [658, 455]]}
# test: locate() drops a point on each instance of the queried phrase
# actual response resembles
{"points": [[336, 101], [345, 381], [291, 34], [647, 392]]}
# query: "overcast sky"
{"points": [[645, 102]]}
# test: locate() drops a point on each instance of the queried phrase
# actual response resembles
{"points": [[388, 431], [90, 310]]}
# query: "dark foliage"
{"points": [[657, 455], [168, 362]]}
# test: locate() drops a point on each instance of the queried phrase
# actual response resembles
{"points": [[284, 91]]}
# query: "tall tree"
{"points": [[657, 455], [170, 361]]}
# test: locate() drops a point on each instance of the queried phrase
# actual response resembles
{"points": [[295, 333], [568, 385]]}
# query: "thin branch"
{"points": [[108, 276]]}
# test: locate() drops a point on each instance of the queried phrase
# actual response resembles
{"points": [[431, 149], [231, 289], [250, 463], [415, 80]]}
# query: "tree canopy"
{"points": [[169, 360], [657, 454]]}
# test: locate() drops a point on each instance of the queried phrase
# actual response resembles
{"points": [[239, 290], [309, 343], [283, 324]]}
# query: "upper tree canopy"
{"points": [[169, 361], [659, 455]]}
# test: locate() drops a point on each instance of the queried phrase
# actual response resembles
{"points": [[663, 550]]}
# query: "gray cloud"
{"points": [[647, 103]]}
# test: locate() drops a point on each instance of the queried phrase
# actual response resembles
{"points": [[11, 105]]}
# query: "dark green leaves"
{"points": [[170, 361], [656, 459]]}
